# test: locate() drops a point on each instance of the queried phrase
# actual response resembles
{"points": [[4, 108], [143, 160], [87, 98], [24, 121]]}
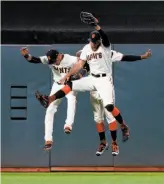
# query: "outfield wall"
{"points": [[139, 95]]}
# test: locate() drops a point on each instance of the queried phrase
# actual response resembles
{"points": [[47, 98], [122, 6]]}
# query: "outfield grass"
{"points": [[82, 178]]}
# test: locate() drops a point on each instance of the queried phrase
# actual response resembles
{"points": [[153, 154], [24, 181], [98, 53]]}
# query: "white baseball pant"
{"points": [[98, 109], [103, 85], [52, 109]]}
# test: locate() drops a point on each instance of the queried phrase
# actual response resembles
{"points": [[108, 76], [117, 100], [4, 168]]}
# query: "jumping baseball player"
{"points": [[60, 64], [99, 111], [98, 55]]}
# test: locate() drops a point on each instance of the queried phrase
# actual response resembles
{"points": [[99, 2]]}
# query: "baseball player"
{"points": [[60, 64], [99, 111], [97, 53]]}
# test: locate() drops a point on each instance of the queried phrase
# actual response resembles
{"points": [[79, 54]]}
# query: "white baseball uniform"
{"points": [[59, 71], [96, 101], [100, 63]]}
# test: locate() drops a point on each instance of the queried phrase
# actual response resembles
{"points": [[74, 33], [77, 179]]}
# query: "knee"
{"points": [[109, 107]]}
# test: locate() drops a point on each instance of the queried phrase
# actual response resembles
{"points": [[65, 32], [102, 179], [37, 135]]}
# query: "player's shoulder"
{"points": [[86, 47], [69, 56], [106, 49], [44, 59], [114, 52]]}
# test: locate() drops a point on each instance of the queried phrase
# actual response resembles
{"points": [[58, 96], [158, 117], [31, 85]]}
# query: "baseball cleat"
{"points": [[102, 148], [125, 132], [67, 129], [37, 95], [115, 148], [48, 145], [43, 99]]}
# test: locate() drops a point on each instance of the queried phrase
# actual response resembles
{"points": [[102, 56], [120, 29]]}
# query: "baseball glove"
{"points": [[43, 99], [79, 75], [88, 18]]}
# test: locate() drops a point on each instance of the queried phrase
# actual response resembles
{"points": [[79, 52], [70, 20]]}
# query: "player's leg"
{"points": [[109, 117], [83, 84], [124, 128], [104, 87], [71, 110], [98, 112], [49, 118], [116, 113], [111, 121]]}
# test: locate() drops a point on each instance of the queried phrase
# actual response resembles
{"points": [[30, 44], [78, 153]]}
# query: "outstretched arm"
{"points": [[28, 57], [131, 58], [104, 36], [117, 56], [82, 72], [88, 18], [79, 65]]}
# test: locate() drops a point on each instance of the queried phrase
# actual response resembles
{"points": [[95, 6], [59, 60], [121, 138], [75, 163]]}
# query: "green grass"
{"points": [[82, 178]]}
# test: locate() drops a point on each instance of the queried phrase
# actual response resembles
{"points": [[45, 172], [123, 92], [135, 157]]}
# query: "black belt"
{"points": [[99, 75]]}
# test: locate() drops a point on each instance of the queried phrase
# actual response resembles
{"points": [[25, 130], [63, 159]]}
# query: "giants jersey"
{"points": [[99, 61], [115, 56], [59, 71]]}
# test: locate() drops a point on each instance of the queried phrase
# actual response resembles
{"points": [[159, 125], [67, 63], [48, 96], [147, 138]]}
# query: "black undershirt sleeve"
{"points": [[33, 59], [131, 58], [104, 37]]}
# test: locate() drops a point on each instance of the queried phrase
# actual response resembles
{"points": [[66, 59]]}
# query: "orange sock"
{"points": [[100, 126], [66, 89], [113, 126], [115, 112], [63, 92]]}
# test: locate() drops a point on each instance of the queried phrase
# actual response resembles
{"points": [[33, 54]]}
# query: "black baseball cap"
{"points": [[94, 36], [53, 55]]}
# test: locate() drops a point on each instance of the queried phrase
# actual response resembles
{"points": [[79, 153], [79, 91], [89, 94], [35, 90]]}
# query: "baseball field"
{"points": [[83, 178]]}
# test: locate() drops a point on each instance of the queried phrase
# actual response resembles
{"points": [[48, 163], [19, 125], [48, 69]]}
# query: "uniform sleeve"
{"points": [[83, 55], [116, 56], [44, 59]]}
